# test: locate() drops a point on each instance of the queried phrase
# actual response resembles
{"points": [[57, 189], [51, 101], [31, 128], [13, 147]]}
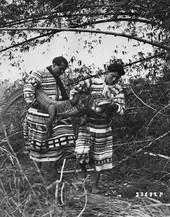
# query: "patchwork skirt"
{"points": [[94, 143], [60, 144]]}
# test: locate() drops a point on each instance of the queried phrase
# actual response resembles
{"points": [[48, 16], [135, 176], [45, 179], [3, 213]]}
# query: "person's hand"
{"points": [[102, 105], [72, 93]]}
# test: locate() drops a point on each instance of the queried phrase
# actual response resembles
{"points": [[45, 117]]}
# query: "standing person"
{"points": [[94, 142], [35, 122]]}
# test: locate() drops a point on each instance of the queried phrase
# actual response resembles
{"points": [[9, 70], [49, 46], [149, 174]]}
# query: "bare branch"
{"points": [[146, 59], [157, 113], [142, 100], [113, 19], [156, 44], [142, 149], [81, 25], [159, 155], [23, 42], [126, 65]]}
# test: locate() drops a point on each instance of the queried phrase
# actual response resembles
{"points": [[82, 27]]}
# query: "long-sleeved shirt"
{"points": [[45, 80], [98, 86]]}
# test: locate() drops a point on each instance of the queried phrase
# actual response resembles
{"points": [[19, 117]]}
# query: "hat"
{"points": [[116, 67]]}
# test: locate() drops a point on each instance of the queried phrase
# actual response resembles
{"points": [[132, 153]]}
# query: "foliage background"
{"points": [[141, 136]]}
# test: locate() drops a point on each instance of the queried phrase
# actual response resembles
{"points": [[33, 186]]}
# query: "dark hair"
{"points": [[116, 67], [58, 60]]}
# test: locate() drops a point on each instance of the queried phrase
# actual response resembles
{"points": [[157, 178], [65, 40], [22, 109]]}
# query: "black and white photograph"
{"points": [[84, 108]]}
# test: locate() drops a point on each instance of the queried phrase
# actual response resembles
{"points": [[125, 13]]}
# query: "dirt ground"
{"points": [[26, 191], [120, 182], [127, 190]]}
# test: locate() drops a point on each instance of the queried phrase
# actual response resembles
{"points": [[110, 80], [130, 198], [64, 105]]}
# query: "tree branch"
{"points": [[142, 100], [127, 19], [146, 59], [89, 31], [159, 155], [23, 42], [126, 65], [142, 149]]}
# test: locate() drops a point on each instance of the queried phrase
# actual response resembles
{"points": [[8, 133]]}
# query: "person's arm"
{"points": [[34, 80], [82, 86], [116, 94], [119, 100]]}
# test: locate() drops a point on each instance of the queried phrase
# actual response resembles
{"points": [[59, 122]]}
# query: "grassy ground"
{"points": [[25, 191], [139, 187]]}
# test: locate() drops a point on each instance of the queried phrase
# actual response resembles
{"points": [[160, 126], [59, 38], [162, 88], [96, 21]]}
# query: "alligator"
{"points": [[80, 105]]}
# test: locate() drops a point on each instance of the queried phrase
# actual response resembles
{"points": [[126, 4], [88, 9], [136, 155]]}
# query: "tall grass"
{"points": [[25, 192]]}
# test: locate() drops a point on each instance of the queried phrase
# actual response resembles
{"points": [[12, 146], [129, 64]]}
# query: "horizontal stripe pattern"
{"points": [[35, 134], [62, 139], [95, 139], [115, 92], [43, 79], [98, 86]]}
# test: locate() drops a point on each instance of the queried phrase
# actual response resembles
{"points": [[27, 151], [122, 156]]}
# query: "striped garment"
{"points": [[94, 140], [62, 140]]}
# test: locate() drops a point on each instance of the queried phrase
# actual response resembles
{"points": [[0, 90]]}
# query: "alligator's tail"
{"points": [[63, 108]]}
